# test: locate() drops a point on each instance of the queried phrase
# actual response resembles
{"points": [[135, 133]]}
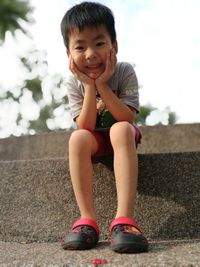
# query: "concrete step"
{"points": [[173, 253], [37, 201], [156, 139]]}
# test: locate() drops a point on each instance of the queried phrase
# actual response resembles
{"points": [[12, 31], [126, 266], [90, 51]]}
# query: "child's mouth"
{"points": [[94, 70], [94, 67]]}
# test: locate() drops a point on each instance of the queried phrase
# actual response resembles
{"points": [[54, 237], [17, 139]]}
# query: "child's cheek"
{"points": [[76, 59]]}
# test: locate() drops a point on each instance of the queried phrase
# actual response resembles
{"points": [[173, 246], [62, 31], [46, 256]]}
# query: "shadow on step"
{"points": [[169, 196]]}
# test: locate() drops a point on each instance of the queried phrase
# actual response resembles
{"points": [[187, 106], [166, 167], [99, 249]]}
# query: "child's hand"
{"points": [[78, 74], [111, 62]]}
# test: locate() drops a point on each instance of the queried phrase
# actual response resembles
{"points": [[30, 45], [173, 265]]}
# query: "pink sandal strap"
{"points": [[124, 220], [88, 222]]}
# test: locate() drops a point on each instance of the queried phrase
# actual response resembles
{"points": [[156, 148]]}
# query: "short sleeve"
{"points": [[128, 86], [75, 95]]}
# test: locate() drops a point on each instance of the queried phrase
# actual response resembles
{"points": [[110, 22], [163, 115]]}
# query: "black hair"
{"points": [[87, 14]]}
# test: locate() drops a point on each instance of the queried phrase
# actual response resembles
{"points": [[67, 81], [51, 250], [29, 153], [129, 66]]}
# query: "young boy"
{"points": [[103, 95]]}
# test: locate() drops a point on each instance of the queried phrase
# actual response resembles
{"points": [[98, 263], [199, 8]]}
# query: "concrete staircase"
{"points": [[37, 202]]}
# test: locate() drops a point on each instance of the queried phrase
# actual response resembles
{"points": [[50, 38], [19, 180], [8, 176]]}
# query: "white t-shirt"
{"points": [[123, 82]]}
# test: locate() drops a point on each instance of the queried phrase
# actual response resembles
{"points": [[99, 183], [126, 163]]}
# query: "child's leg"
{"points": [[122, 135], [84, 233], [126, 235], [82, 145]]}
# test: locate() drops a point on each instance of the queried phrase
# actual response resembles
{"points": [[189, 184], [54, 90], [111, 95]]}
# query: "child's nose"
{"points": [[90, 53]]}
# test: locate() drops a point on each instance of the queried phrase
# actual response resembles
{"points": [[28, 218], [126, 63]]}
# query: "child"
{"points": [[103, 95]]}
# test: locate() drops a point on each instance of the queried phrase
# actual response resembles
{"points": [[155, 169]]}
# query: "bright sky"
{"points": [[160, 37]]}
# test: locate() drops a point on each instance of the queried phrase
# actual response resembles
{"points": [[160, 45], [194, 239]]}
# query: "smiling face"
{"points": [[89, 49]]}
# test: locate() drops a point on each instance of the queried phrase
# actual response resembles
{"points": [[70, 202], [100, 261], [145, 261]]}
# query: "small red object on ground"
{"points": [[99, 261]]}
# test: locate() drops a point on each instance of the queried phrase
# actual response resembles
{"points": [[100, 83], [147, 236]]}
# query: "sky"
{"points": [[161, 38]]}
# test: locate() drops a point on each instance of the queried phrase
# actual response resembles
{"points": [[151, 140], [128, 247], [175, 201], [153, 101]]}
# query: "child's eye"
{"points": [[99, 43], [79, 48]]}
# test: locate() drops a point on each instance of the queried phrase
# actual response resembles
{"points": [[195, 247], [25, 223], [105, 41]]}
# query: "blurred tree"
{"points": [[13, 13], [13, 16], [172, 118], [52, 114], [56, 96], [145, 111]]}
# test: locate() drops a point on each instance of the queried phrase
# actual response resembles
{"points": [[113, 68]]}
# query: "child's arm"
{"points": [[87, 116], [119, 110]]}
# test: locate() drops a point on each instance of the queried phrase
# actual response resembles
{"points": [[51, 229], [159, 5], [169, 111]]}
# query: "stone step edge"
{"points": [[140, 155]]}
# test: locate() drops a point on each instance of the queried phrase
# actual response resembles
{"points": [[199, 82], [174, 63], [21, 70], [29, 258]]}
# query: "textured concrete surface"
{"points": [[37, 201], [156, 139], [176, 253], [174, 138], [47, 145]]}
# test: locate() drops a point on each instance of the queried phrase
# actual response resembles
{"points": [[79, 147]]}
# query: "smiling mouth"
{"points": [[94, 70], [94, 67]]}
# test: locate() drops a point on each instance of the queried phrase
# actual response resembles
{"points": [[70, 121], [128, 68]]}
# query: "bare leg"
{"points": [[122, 136], [82, 145]]}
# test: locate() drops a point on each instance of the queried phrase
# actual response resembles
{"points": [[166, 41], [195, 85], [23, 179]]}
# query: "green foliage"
{"points": [[172, 118], [55, 95], [12, 13], [10, 95], [145, 111], [35, 86], [40, 125]]}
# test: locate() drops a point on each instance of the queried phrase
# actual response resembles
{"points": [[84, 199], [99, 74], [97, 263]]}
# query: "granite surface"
{"points": [[37, 201], [176, 253], [37, 204]]}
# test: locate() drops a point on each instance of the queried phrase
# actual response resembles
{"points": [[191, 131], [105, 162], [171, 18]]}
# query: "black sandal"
{"points": [[84, 235], [126, 236]]}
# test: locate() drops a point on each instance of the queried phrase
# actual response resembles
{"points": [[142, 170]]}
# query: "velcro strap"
{"points": [[124, 221], [88, 222]]}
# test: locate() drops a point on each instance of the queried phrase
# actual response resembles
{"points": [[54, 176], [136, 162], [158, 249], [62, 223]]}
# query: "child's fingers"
{"points": [[77, 73], [108, 59], [71, 64], [113, 57], [74, 68], [112, 61]]}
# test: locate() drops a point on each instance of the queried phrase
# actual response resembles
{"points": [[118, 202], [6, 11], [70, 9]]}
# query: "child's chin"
{"points": [[94, 75]]}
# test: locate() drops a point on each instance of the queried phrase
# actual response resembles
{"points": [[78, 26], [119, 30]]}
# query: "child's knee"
{"points": [[80, 140], [122, 132]]}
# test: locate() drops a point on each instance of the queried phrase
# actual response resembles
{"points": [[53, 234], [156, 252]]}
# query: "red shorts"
{"points": [[104, 144]]}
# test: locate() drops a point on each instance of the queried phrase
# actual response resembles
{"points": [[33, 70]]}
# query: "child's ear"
{"points": [[115, 46], [68, 52]]}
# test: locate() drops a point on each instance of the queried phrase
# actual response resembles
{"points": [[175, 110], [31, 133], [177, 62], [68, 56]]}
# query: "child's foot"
{"points": [[84, 235], [126, 236]]}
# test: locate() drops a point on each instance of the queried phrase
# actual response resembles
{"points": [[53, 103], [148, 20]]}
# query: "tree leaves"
{"points": [[12, 14]]}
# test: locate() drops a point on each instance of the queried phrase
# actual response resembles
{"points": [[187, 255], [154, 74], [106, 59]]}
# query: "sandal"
{"points": [[83, 235], [126, 236]]}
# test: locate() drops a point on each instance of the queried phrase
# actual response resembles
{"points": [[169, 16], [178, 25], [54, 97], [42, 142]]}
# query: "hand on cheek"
{"points": [[113, 59], [72, 66], [82, 77], [110, 65]]}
